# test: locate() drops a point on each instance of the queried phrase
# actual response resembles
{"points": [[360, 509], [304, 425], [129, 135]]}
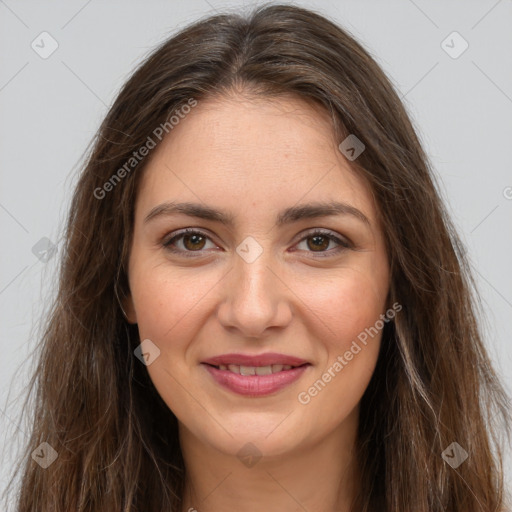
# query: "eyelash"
{"points": [[321, 254]]}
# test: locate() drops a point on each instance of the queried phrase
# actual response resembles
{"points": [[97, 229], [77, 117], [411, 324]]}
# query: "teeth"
{"points": [[263, 370], [255, 370], [247, 370]]}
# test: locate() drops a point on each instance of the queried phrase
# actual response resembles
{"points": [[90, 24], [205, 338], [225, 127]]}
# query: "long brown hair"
{"points": [[117, 441]]}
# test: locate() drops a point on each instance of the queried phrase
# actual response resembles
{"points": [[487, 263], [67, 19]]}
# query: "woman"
{"points": [[262, 302]]}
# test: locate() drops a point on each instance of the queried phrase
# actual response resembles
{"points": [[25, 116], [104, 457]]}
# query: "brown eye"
{"points": [[192, 241], [318, 242]]}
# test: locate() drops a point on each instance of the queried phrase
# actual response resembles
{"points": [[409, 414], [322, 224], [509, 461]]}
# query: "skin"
{"points": [[254, 157]]}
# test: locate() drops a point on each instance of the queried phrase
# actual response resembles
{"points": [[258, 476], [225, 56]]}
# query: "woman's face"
{"points": [[275, 282]]}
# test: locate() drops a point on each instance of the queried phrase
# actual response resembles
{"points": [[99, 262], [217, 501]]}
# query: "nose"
{"points": [[256, 299]]}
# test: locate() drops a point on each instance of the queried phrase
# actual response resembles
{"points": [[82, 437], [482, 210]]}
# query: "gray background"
{"points": [[51, 108]]}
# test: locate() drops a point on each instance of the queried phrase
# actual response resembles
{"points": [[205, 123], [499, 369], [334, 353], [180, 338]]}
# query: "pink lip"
{"points": [[255, 385], [260, 360]]}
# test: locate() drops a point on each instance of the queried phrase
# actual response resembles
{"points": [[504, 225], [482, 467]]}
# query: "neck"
{"points": [[318, 477]]}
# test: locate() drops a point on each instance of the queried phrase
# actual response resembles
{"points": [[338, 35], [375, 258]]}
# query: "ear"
{"points": [[129, 309]]}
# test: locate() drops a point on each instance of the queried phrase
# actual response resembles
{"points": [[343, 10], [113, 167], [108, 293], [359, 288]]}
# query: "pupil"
{"points": [[317, 241], [195, 239]]}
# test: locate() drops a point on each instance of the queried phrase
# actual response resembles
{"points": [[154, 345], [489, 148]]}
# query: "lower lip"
{"points": [[256, 385]]}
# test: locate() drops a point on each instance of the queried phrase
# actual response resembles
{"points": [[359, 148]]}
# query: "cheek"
{"points": [[346, 305], [171, 310], [165, 302], [349, 310], [356, 310]]}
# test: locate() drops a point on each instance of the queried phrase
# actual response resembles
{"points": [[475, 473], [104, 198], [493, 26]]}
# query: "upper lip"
{"points": [[267, 359]]}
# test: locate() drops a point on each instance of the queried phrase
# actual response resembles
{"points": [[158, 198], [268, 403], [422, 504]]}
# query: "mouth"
{"points": [[256, 370], [255, 376]]}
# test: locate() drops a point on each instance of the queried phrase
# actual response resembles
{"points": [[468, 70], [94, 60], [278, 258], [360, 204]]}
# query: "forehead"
{"points": [[242, 151]]}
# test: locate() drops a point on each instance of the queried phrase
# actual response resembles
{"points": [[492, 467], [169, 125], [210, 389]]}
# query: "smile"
{"points": [[255, 370], [255, 381]]}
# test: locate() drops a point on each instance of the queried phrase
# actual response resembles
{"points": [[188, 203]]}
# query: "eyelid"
{"points": [[343, 242]]}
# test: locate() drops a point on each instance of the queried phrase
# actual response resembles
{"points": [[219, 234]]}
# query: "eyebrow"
{"points": [[287, 216]]}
